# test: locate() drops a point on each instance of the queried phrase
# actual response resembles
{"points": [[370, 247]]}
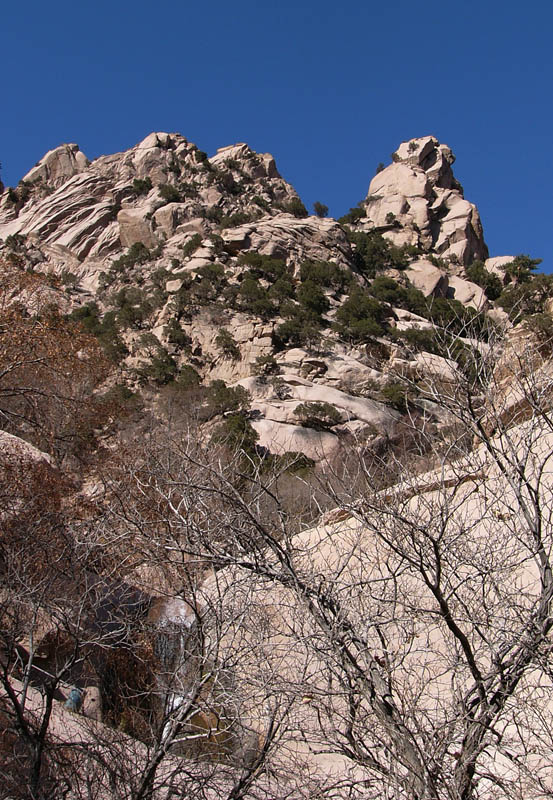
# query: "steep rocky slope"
{"points": [[277, 488], [193, 269]]}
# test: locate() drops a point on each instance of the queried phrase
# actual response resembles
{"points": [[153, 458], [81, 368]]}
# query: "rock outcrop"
{"points": [[417, 201], [160, 240]]}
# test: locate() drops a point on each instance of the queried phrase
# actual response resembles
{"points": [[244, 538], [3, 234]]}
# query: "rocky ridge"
{"points": [[197, 266]]}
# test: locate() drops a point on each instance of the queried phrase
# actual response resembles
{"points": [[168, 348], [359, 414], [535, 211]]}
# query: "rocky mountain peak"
{"points": [[94, 209], [417, 200], [57, 166]]}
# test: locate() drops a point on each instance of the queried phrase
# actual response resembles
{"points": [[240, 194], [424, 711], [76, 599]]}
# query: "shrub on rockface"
{"points": [[541, 325], [137, 254], [456, 319], [488, 281], [373, 253], [296, 208], [142, 185], [236, 219], [237, 433], [320, 209], [262, 266], [420, 339], [169, 193], [395, 395], [265, 365], [221, 399], [526, 298], [191, 245], [326, 274], [361, 317], [302, 328], [354, 215], [175, 335], [320, 416], [187, 378], [226, 344], [105, 329], [521, 268], [253, 298], [312, 298]]}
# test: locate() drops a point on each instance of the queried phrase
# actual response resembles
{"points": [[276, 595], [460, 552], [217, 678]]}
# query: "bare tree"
{"points": [[409, 637], [400, 649]]}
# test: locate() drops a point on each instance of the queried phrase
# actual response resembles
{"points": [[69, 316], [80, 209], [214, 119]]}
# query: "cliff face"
{"points": [[82, 212], [211, 267], [164, 188]]}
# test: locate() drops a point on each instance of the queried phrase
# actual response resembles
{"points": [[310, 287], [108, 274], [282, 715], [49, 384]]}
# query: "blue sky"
{"points": [[330, 91]]}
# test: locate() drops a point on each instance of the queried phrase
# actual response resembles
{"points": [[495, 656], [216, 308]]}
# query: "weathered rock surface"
{"points": [[58, 165], [408, 654], [417, 200], [187, 218], [97, 209]]}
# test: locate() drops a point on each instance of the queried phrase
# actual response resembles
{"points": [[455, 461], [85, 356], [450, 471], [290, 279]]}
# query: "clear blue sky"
{"points": [[330, 90]]}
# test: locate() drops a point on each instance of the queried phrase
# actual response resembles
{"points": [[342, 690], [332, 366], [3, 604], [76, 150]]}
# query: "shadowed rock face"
{"points": [[418, 201]]}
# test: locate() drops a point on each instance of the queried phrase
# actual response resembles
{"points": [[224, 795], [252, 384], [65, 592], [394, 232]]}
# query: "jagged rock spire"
{"points": [[417, 200]]}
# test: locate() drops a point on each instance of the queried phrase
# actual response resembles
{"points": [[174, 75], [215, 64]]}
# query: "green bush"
{"points": [[452, 315], [354, 214], [388, 291], [138, 253], [541, 325], [191, 245], [261, 202], [312, 298], [265, 365], [420, 339], [161, 368], [214, 214], [227, 345], [175, 335], [395, 395], [88, 316], [282, 289], [325, 273], [169, 193], [122, 398], [234, 220], [520, 269], [222, 398], [301, 329], [266, 267], [253, 298], [296, 208], [526, 298], [105, 330], [134, 307], [373, 253], [226, 182], [238, 434], [492, 285], [142, 185], [361, 317], [291, 461], [187, 377], [320, 416], [320, 209]]}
